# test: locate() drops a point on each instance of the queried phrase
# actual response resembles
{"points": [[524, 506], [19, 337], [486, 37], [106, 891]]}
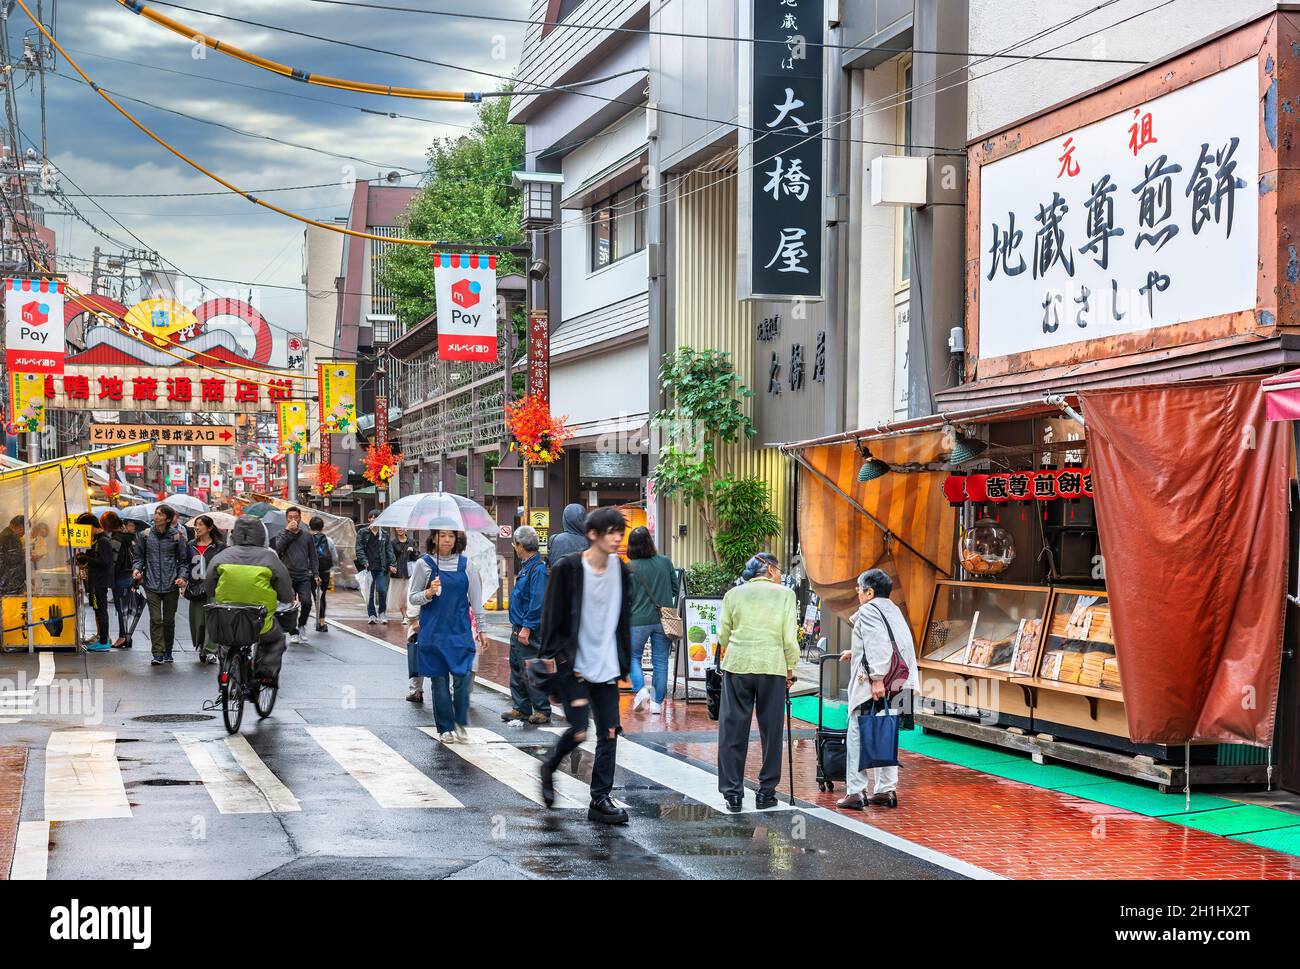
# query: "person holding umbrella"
{"points": [[446, 591]]}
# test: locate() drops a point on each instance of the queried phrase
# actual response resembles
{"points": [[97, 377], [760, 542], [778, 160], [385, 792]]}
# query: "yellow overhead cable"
{"points": [[329, 227], [297, 74]]}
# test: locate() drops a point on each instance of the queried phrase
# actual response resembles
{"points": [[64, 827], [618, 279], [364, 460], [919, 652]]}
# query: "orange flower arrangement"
{"points": [[538, 436], [112, 490], [327, 479], [381, 464]]}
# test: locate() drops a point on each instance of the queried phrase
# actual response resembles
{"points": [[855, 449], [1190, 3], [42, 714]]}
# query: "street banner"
{"points": [[239, 486], [234, 390], [781, 102], [34, 335], [466, 291], [175, 473], [27, 403], [218, 484], [197, 435], [381, 420], [293, 427], [204, 482], [337, 385], [133, 464], [539, 355]]}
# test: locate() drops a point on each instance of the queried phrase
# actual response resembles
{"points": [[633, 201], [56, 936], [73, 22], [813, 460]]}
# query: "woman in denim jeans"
{"points": [[654, 584]]}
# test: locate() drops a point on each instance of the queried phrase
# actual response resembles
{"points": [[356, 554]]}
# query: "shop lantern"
{"points": [[954, 489], [1069, 483], [1020, 486], [987, 548], [977, 487], [998, 488]]}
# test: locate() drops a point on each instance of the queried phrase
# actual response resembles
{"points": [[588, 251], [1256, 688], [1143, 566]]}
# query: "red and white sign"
{"points": [[204, 482], [133, 464], [176, 388], [218, 483], [34, 328], [1046, 485], [239, 486], [466, 290], [176, 473]]}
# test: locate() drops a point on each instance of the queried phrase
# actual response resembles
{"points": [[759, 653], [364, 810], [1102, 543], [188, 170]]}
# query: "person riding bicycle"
{"points": [[249, 573]]}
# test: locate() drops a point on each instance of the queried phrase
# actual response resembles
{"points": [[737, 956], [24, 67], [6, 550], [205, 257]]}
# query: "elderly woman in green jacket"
{"points": [[759, 636]]}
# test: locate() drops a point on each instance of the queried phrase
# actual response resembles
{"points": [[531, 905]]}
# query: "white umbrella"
{"points": [[185, 504], [482, 555], [437, 509], [222, 519]]}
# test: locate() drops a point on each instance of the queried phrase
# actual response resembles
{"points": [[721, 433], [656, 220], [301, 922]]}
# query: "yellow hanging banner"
{"points": [[27, 403], [293, 426], [338, 396]]}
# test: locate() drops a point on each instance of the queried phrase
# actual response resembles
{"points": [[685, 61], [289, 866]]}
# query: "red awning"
{"points": [[1282, 396]]}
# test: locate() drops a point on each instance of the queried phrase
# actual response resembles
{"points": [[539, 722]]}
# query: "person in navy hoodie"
{"points": [[527, 701]]}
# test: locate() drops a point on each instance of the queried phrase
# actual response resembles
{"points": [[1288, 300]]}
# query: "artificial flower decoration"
{"points": [[112, 490], [381, 464], [538, 436], [327, 479]]}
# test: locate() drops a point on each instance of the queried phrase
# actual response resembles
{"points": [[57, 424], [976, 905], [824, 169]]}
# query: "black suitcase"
{"points": [[832, 749]]}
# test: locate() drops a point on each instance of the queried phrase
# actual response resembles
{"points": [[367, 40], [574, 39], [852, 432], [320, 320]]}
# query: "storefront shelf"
{"points": [[941, 666], [1114, 696]]}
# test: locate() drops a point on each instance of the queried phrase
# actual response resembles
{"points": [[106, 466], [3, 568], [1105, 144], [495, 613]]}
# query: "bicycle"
{"points": [[237, 630]]}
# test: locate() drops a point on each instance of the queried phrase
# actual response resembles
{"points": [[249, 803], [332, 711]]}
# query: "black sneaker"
{"points": [[605, 811]]}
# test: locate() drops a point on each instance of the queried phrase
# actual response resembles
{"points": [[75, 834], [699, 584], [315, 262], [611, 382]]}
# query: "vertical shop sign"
{"points": [[27, 403], [539, 355], [781, 156], [293, 427], [381, 420]]}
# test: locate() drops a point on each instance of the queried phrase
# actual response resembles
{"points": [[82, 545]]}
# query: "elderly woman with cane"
{"points": [[759, 636]]}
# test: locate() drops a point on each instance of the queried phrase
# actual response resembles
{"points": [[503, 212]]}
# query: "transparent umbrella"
{"points": [[437, 509]]}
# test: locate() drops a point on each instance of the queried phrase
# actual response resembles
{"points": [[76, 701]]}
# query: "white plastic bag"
{"points": [[364, 580]]}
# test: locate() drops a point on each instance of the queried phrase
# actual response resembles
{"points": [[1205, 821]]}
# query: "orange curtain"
{"points": [[1191, 484], [839, 542]]}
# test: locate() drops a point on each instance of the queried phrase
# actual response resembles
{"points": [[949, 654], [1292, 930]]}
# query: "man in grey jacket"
{"points": [[573, 538], [297, 550], [162, 562]]}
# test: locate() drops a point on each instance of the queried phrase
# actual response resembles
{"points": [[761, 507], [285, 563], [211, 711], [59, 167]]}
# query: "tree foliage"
{"points": [[743, 518], [468, 198]]}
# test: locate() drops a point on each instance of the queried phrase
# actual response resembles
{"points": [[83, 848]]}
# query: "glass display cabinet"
{"points": [[976, 626]]}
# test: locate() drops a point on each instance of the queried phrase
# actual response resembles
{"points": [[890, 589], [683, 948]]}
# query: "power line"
{"points": [[645, 32]]}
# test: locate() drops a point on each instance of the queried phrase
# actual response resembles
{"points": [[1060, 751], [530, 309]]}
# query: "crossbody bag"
{"points": [[669, 618]]}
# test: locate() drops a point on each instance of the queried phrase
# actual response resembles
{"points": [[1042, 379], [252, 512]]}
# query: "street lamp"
{"points": [[539, 196]]}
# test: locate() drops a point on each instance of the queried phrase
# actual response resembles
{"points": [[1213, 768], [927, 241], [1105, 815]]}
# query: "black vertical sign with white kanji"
{"points": [[785, 176]]}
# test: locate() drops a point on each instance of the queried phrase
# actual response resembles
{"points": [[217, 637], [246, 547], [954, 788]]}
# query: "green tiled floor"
{"points": [[1242, 819], [1286, 840]]}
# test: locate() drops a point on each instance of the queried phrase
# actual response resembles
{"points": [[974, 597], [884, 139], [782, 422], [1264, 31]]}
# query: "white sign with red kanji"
{"points": [[1145, 219], [466, 291], [34, 334], [231, 390]]}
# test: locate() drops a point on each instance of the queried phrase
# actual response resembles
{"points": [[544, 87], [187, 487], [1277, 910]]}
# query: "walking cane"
{"points": [[789, 739]]}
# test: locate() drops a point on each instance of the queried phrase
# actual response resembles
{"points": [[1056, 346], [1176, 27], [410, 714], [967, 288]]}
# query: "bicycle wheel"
{"points": [[232, 690], [264, 699]]}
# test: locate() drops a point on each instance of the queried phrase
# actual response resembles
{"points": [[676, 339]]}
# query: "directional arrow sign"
{"points": [[197, 435]]}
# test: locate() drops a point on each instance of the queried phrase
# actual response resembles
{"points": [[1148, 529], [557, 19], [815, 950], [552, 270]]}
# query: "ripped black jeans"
{"points": [[582, 701]]}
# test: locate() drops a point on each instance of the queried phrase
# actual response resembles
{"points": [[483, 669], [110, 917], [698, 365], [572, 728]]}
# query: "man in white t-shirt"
{"points": [[587, 632]]}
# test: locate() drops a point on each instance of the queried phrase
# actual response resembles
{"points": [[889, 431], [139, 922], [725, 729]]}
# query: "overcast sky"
{"points": [[100, 153]]}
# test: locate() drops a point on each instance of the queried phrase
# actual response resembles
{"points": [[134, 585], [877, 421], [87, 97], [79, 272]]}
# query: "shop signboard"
{"points": [[101, 387], [781, 150], [466, 290], [133, 464], [337, 380], [197, 435], [539, 355], [702, 617], [34, 326], [1144, 219], [72, 535]]}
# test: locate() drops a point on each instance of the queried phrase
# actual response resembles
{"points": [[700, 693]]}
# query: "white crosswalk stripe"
{"points": [[694, 782], [31, 852], [46, 674], [82, 778], [502, 760], [390, 779], [235, 777]]}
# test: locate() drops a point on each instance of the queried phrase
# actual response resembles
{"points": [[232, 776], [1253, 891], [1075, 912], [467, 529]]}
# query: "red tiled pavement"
{"points": [[1006, 827], [13, 762]]}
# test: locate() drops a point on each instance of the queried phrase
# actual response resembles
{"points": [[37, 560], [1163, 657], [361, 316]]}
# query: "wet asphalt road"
{"points": [[176, 830]]}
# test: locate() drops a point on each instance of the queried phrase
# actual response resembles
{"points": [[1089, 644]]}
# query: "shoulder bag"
{"points": [[898, 674], [669, 618]]}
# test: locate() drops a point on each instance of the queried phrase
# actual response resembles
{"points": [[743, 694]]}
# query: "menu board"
{"points": [[702, 617]]}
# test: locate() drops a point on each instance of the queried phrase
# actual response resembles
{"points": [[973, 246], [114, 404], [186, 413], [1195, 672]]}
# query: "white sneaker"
{"points": [[448, 738], [383, 620], [371, 620], [462, 735], [641, 699], [302, 641], [656, 708], [294, 640]]}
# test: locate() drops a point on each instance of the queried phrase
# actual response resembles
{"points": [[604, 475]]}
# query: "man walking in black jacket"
{"points": [[297, 550], [587, 632]]}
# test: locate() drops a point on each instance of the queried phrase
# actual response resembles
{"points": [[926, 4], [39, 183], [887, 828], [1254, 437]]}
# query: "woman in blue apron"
{"points": [[446, 590]]}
